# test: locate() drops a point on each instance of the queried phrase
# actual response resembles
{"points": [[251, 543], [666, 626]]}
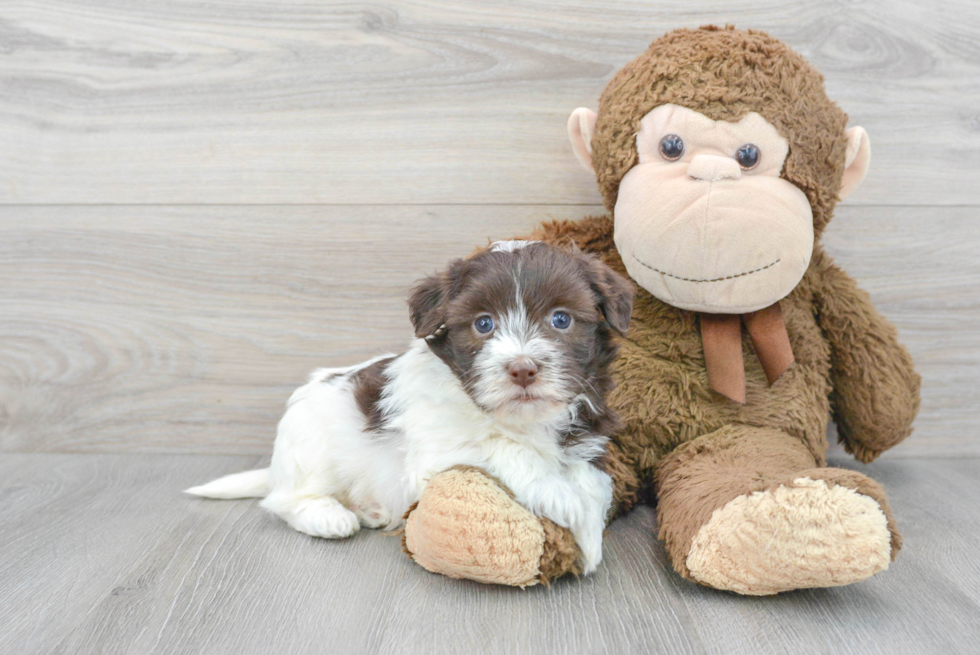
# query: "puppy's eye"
{"points": [[483, 324], [671, 147], [748, 156], [561, 320]]}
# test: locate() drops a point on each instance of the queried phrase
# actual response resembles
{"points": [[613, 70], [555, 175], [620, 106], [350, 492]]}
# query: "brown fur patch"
{"points": [[401, 531], [875, 395], [561, 553], [368, 383]]}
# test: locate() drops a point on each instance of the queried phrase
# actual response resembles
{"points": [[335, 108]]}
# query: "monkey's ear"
{"points": [[581, 127], [857, 161], [427, 302]]}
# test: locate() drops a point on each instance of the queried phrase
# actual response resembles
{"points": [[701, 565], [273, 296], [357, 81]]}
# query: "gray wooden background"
{"points": [[200, 201]]}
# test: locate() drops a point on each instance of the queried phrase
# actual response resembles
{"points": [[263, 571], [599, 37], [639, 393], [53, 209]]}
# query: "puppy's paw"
{"points": [[324, 517], [372, 515], [589, 541], [591, 558]]}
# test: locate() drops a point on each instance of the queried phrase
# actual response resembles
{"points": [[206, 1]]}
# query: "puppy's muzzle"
{"points": [[523, 372]]}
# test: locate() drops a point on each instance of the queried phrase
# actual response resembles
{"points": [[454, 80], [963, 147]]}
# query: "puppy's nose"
{"points": [[523, 372]]}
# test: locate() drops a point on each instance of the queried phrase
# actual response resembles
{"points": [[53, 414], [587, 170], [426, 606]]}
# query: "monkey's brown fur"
{"points": [[692, 449], [725, 74]]}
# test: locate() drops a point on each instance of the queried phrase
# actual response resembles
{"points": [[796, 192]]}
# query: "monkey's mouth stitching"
{"points": [[717, 279]]}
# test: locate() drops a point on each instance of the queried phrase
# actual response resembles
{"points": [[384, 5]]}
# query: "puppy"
{"points": [[508, 372]]}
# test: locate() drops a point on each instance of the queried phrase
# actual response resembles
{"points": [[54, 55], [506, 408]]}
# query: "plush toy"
{"points": [[720, 158]]}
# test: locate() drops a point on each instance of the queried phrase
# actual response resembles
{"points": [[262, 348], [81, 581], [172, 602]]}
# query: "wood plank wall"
{"points": [[199, 202]]}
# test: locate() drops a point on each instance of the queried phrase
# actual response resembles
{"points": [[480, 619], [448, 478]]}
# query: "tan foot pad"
{"points": [[798, 537], [467, 526]]}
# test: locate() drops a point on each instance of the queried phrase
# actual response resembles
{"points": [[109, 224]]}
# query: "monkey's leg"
{"points": [[747, 510], [467, 525]]}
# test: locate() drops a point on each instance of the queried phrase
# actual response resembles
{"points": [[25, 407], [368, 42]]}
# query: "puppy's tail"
{"points": [[247, 484]]}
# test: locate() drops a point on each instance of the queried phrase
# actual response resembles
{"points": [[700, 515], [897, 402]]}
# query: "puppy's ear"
{"points": [[427, 302], [614, 291]]}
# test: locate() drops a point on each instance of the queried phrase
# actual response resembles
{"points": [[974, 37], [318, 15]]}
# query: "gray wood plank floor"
{"points": [[103, 554]]}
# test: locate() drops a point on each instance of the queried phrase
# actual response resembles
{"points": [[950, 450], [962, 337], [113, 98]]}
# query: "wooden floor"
{"points": [[103, 554], [202, 201]]}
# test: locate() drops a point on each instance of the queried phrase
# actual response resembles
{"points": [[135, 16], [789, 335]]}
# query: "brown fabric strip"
{"points": [[771, 341], [721, 339]]}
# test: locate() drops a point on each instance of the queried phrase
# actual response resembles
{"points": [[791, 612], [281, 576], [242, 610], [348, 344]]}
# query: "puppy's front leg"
{"points": [[595, 493], [588, 536], [579, 501]]}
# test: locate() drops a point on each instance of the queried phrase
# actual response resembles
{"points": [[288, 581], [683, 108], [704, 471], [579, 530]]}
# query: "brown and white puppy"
{"points": [[508, 372]]}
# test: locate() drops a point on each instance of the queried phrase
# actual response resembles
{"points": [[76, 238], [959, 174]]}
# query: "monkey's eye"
{"points": [[671, 147], [747, 156], [561, 320], [483, 324]]}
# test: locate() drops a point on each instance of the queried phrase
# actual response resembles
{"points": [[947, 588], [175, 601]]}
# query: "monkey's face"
{"points": [[704, 221]]}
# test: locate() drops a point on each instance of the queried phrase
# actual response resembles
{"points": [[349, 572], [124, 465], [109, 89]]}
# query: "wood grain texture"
{"points": [[178, 329], [921, 267], [102, 554], [298, 101], [183, 329]]}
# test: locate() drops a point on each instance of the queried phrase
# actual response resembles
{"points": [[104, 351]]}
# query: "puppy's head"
{"points": [[525, 327]]}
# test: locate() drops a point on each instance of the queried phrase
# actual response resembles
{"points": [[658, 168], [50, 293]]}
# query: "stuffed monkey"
{"points": [[720, 159]]}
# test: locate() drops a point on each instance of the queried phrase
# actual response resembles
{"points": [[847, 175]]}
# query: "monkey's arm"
{"points": [[876, 389]]}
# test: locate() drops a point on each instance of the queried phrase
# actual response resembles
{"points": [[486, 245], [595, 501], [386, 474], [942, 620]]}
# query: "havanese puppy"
{"points": [[508, 372]]}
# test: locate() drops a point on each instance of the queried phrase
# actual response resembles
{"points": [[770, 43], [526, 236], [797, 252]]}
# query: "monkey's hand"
{"points": [[467, 525], [876, 389]]}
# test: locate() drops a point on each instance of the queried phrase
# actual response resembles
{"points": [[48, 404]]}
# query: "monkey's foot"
{"points": [[467, 525], [805, 533]]}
